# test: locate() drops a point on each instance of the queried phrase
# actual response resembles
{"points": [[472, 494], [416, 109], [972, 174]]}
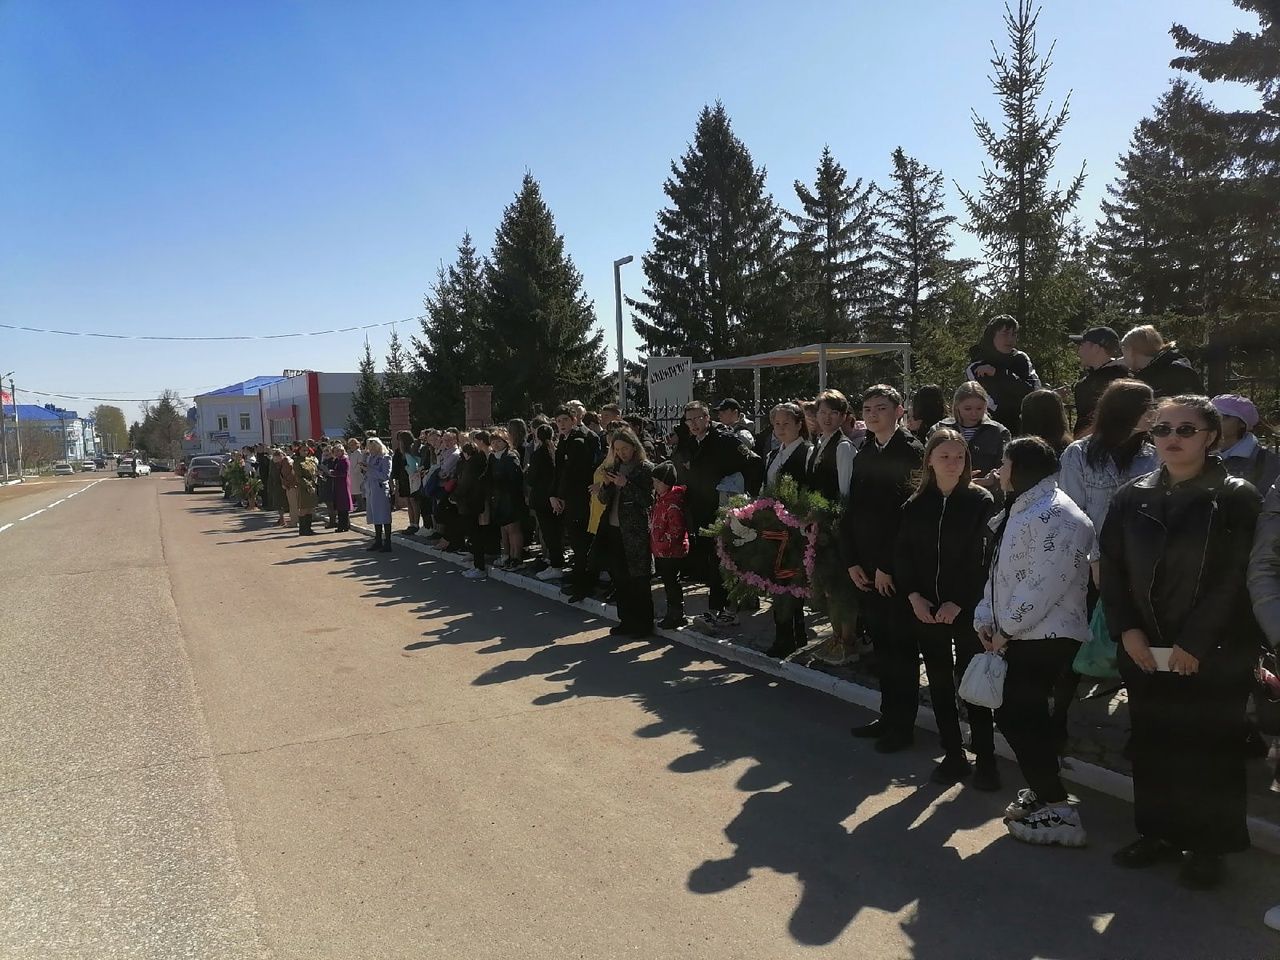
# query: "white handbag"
{"points": [[983, 681]]}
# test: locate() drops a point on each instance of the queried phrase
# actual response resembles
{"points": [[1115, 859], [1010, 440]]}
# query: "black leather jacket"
{"points": [[1174, 559]]}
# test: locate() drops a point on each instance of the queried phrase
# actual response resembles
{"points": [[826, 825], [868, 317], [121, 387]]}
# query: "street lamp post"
{"points": [[617, 299]]}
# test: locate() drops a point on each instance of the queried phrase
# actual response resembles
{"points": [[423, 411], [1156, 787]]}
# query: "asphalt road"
{"points": [[220, 740]]}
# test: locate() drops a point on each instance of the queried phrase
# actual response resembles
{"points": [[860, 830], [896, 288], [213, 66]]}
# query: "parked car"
{"points": [[203, 472], [88, 466], [161, 464], [132, 467], [62, 469]]}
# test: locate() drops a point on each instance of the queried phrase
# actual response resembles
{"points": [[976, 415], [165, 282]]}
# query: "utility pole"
{"points": [[617, 297], [17, 430], [4, 426]]}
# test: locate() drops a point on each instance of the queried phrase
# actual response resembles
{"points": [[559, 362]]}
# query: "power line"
{"points": [[77, 396], [272, 336]]}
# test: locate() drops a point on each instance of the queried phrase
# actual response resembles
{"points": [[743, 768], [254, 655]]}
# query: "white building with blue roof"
{"points": [[74, 436], [230, 417]]}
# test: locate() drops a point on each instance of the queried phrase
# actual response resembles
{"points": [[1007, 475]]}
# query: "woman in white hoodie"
{"points": [[1033, 612]]}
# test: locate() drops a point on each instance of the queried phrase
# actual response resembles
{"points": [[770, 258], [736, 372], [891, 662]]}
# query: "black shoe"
{"points": [[953, 768], [986, 775], [868, 730], [1145, 852], [894, 742], [376, 545], [618, 630], [1201, 871], [575, 597], [386, 547], [673, 622]]}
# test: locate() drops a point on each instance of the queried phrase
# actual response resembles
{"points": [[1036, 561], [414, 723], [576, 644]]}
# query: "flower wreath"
{"points": [[759, 551]]}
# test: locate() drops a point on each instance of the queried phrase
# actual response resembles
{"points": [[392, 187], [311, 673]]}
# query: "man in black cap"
{"points": [[1099, 349], [730, 415]]}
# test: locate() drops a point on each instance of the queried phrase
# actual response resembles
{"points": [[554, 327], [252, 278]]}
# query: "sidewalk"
{"points": [[1098, 723]]}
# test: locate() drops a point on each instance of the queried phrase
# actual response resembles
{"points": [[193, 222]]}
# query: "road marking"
{"points": [[54, 504]]}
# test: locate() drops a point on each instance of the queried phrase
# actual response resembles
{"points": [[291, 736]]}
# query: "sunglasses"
{"points": [[1184, 430]]}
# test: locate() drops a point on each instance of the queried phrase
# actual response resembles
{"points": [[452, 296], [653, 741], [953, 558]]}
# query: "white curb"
{"points": [[1264, 833]]}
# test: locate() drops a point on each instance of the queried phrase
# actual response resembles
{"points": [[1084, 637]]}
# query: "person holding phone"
{"points": [[1175, 550]]}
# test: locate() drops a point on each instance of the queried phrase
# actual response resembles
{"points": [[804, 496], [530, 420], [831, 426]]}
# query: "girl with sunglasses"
{"points": [[1175, 547]]}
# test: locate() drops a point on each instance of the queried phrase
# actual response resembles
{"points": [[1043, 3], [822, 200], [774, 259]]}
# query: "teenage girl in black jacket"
{"points": [[1175, 548], [941, 567]]}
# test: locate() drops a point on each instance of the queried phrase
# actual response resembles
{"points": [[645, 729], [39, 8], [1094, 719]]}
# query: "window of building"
{"points": [[222, 423], [244, 421]]}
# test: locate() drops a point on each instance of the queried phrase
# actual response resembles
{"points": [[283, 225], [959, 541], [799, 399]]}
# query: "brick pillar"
{"points": [[399, 414], [478, 405]]}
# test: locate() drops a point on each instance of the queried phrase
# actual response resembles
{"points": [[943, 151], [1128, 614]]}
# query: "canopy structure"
{"points": [[819, 353]]}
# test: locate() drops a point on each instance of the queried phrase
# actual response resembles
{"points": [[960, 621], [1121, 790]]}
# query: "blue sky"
{"points": [[269, 167]]}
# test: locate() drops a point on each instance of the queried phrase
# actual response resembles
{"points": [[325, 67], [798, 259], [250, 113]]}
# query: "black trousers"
{"points": [[1188, 753], [552, 533], [1034, 668], [476, 536], [579, 540], [705, 565], [897, 660], [669, 570], [632, 594], [947, 649], [788, 622]]}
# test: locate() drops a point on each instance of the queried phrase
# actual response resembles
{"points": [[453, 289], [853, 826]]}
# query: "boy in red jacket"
{"points": [[669, 541]]}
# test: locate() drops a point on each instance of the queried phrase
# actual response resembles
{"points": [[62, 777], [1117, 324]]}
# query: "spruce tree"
{"points": [[1019, 217], [1253, 136], [1166, 238], [838, 233], [368, 402], [917, 250], [397, 381], [543, 347], [450, 353], [714, 279]]}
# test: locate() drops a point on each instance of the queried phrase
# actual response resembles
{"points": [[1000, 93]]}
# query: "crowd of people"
{"points": [[988, 521]]}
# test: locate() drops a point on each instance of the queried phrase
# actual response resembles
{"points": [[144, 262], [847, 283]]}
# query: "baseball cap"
{"points": [[728, 403], [1234, 405], [1102, 336]]}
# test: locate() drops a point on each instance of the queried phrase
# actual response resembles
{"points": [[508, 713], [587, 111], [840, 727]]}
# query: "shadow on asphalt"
{"points": [[806, 781]]}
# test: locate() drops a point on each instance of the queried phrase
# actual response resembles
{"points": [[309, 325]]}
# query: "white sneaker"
{"points": [[1049, 825], [476, 574], [1023, 806], [551, 573], [1272, 918]]}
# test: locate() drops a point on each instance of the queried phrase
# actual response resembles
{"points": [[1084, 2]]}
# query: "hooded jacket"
{"points": [[668, 532], [1174, 561], [1040, 571], [1014, 378], [1170, 374]]}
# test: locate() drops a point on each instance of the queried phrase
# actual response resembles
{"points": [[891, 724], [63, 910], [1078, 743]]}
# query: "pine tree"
{"points": [[397, 381], [368, 402], [715, 285], [1165, 238], [1253, 136], [917, 249], [838, 233], [542, 345], [1017, 215], [450, 353]]}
